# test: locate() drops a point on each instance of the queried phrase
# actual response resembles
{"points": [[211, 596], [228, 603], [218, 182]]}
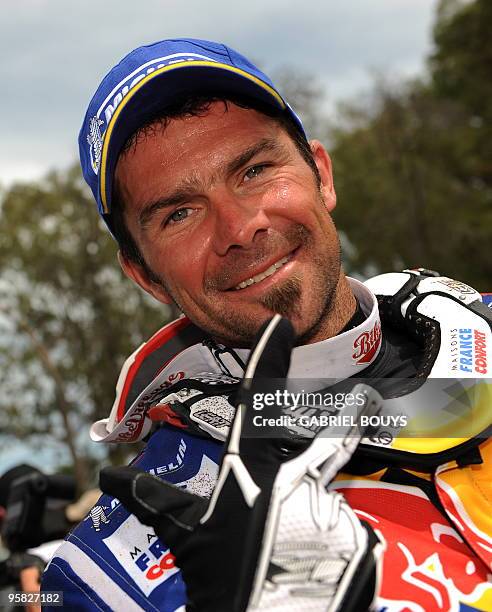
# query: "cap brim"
{"points": [[161, 89]]}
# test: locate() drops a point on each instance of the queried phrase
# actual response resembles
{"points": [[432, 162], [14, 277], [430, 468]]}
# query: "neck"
{"points": [[341, 309]]}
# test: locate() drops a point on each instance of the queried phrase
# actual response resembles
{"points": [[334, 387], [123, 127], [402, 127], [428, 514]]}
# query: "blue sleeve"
{"points": [[110, 561], [77, 595]]}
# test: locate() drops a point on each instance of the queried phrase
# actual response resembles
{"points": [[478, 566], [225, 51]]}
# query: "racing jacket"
{"points": [[428, 499]]}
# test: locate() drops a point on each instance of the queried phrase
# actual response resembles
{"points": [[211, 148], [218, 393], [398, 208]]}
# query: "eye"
{"points": [[254, 171], [178, 215]]}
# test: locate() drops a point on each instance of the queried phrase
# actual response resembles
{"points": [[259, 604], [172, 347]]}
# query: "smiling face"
{"points": [[229, 217]]}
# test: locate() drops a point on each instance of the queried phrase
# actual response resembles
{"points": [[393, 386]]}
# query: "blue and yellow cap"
{"points": [[146, 81]]}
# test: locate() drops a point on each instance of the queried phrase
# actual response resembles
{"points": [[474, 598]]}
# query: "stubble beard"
{"points": [[284, 299]]}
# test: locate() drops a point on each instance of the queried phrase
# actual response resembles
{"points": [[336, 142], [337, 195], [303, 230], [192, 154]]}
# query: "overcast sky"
{"points": [[54, 52]]}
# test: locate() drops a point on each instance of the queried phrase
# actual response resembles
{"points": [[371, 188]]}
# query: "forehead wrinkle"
{"points": [[227, 167], [265, 144], [187, 188], [195, 183]]}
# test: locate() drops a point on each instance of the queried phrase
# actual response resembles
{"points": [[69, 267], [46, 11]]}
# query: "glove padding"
{"points": [[271, 537]]}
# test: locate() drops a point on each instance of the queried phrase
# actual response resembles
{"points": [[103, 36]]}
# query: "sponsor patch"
{"points": [[455, 286], [461, 291], [215, 420], [367, 344], [98, 516], [472, 346], [174, 465], [94, 138], [136, 547], [132, 425], [468, 350]]}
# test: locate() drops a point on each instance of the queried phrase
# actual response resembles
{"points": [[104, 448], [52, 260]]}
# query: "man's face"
{"points": [[230, 218]]}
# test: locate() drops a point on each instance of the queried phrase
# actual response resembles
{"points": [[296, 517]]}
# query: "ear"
{"points": [[139, 275], [323, 163]]}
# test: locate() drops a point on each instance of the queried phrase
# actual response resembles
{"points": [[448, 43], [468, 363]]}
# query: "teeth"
{"points": [[259, 277]]}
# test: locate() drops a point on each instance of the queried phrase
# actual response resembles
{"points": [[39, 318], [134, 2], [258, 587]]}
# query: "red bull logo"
{"points": [[427, 566]]}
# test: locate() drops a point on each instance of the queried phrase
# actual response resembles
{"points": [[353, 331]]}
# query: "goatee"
{"points": [[284, 298]]}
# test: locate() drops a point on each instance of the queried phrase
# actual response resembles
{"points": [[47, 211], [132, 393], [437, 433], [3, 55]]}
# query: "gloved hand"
{"points": [[271, 537]]}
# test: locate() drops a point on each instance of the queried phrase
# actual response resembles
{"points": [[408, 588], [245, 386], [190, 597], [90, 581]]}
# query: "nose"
{"points": [[238, 221]]}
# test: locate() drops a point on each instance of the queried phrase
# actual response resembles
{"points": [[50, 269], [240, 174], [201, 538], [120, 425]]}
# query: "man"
{"points": [[220, 205]]}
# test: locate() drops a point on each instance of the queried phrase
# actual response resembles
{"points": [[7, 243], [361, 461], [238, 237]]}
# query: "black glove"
{"points": [[271, 534]]}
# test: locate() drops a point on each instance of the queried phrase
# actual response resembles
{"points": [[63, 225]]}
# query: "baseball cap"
{"points": [[148, 80]]}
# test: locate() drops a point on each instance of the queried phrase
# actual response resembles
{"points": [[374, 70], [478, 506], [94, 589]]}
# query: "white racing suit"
{"points": [[429, 499]]}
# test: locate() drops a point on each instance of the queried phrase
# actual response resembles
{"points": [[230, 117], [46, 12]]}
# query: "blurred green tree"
{"points": [[412, 162], [461, 67], [68, 317]]}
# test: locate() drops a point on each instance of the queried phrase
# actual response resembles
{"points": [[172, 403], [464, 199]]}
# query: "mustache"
{"points": [[239, 261]]}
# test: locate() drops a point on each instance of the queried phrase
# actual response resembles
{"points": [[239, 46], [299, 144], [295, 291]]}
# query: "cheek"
{"points": [[288, 198], [284, 193], [182, 264]]}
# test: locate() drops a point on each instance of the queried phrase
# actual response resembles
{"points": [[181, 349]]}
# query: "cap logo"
{"points": [[142, 80], [120, 90], [114, 98], [94, 138]]}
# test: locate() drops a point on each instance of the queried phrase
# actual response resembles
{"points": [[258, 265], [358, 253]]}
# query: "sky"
{"points": [[54, 53]]}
